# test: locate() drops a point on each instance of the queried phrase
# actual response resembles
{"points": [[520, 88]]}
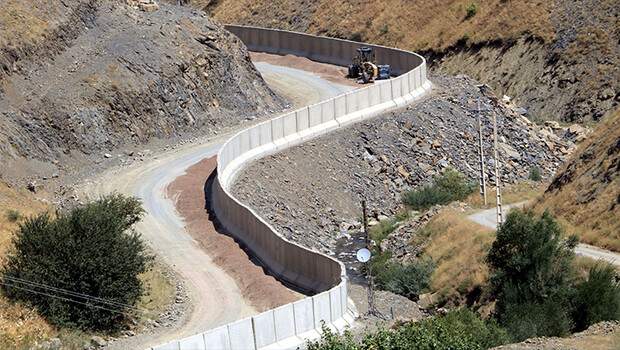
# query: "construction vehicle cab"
{"points": [[364, 68]]}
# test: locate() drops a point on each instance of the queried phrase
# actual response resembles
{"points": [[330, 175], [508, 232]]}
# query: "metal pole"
{"points": [[371, 297], [483, 185], [498, 194]]}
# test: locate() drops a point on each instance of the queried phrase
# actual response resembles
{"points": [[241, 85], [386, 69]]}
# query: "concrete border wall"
{"points": [[290, 325]]}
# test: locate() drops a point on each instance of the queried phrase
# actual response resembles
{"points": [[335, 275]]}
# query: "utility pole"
{"points": [[483, 185], [498, 194], [371, 295]]}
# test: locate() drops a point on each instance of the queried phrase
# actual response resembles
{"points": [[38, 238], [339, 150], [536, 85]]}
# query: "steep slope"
{"points": [[313, 191], [559, 59], [93, 77], [586, 191]]}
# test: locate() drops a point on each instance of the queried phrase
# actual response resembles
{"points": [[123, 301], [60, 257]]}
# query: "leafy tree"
{"points": [[531, 275], [448, 187], [91, 250], [598, 298]]}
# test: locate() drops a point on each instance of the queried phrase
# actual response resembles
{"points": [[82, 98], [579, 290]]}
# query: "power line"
{"points": [[66, 299], [74, 294]]}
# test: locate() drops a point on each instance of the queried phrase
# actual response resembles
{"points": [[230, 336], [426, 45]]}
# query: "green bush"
{"points": [[472, 9], [91, 250], [408, 280], [535, 174], [13, 215], [598, 298], [531, 275], [448, 187], [458, 330]]}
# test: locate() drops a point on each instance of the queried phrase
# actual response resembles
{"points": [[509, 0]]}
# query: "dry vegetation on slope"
{"points": [[586, 192], [548, 55]]}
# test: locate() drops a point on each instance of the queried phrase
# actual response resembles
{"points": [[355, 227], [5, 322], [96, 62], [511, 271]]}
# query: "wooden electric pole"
{"points": [[483, 185], [498, 194]]}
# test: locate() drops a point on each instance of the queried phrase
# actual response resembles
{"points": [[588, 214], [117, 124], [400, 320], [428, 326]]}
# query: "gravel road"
{"points": [[214, 295], [488, 218]]}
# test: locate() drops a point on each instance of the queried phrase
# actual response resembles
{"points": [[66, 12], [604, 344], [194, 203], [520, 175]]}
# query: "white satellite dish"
{"points": [[363, 255]]}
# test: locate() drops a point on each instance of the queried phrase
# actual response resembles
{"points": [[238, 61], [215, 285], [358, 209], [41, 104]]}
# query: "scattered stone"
{"points": [[98, 341], [107, 155]]}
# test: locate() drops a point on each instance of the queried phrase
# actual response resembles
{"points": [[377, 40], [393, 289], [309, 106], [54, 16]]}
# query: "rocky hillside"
{"points": [[559, 59], [81, 78], [586, 191], [313, 192]]}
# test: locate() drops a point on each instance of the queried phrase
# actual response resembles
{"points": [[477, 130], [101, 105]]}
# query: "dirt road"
{"points": [[488, 218], [215, 295]]}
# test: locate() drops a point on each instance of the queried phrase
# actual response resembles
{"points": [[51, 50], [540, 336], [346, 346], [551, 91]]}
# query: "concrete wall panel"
{"points": [[217, 339], [334, 303], [363, 98], [385, 90], [303, 119], [195, 342], [304, 315], [173, 345], [315, 115], [351, 100], [284, 319], [340, 105], [265, 133], [241, 335], [328, 111], [264, 329], [290, 124], [322, 310], [277, 128]]}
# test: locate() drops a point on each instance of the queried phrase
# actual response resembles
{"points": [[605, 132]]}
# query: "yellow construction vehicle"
{"points": [[364, 67]]}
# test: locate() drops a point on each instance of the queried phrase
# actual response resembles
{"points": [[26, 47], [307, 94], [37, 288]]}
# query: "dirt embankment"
{"points": [[586, 191], [312, 193], [93, 78], [263, 291], [558, 59]]}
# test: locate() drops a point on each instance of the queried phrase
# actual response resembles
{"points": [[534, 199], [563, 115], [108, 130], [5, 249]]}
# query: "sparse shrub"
{"points": [[598, 298], [13, 215], [535, 174], [91, 250], [383, 229], [448, 187], [384, 29], [531, 275], [457, 330], [408, 280], [472, 9]]}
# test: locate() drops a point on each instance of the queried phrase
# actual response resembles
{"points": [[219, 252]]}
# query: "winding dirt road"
{"points": [[216, 297], [488, 218]]}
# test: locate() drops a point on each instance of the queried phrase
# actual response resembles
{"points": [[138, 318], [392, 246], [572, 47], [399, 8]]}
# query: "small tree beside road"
{"points": [[80, 268]]}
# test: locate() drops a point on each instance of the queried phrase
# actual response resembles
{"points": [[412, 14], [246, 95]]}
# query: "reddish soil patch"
{"points": [[330, 72], [263, 291]]}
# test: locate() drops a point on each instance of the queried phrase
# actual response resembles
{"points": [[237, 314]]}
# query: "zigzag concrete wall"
{"points": [[290, 325]]}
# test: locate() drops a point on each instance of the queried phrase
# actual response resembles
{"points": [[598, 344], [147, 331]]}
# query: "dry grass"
{"points": [[160, 290], [418, 25], [519, 192], [25, 22], [20, 325], [459, 248], [586, 192]]}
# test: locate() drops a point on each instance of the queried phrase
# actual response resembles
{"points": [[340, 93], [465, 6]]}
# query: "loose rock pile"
{"points": [[312, 193]]}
